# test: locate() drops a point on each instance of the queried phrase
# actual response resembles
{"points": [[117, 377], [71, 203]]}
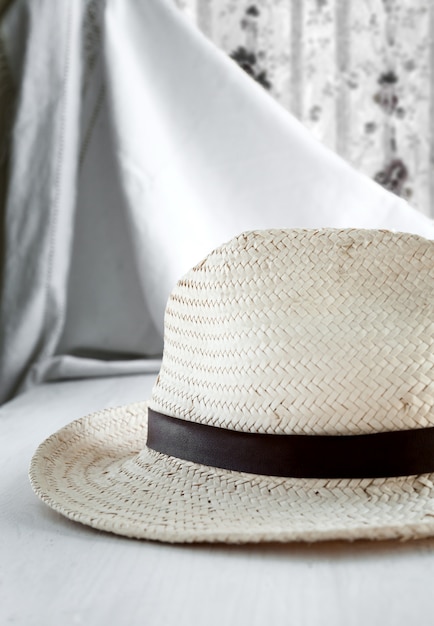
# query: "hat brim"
{"points": [[98, 471]]}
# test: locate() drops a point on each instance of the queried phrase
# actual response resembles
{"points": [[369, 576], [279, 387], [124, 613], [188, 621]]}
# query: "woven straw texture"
{"points": [[289, 331]]}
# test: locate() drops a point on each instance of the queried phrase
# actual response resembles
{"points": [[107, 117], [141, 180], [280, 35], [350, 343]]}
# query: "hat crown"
{"points": [[303, 331]]}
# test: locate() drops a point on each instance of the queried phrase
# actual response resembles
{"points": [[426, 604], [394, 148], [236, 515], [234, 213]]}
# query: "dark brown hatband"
{"points": [[385, 454]]}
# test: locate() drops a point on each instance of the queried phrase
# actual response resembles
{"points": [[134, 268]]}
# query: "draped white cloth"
{"points": [[137, 147]]}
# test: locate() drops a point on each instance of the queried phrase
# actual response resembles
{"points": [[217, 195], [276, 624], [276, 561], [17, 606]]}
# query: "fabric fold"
{"points": [[42, 188]]}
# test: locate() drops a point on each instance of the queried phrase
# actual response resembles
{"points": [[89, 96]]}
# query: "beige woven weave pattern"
{"points": [[296, 331], [304, 331]]}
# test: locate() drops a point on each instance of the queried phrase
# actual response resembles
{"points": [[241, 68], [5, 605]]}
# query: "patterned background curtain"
{"points": [[359, 75]]}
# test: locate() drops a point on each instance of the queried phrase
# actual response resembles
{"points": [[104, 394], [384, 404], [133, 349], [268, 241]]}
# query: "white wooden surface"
{"points": [[56, 572]]}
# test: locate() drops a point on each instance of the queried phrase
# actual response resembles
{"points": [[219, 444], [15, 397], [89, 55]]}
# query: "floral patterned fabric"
{"points": [[359, 75]]}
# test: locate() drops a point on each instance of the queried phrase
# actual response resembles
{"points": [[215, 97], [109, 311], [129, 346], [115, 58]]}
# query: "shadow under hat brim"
{"points": [[98, 471]]}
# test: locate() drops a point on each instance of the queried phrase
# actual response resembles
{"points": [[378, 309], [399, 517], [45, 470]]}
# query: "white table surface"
{"points": [[57, 572]]}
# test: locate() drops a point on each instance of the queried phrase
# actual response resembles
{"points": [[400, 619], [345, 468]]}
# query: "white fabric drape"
{"points": [[359, 75], [137, 147]]}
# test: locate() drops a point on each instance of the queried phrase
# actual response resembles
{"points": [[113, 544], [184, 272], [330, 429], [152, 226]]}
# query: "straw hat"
{"points": [[294, 402]]}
